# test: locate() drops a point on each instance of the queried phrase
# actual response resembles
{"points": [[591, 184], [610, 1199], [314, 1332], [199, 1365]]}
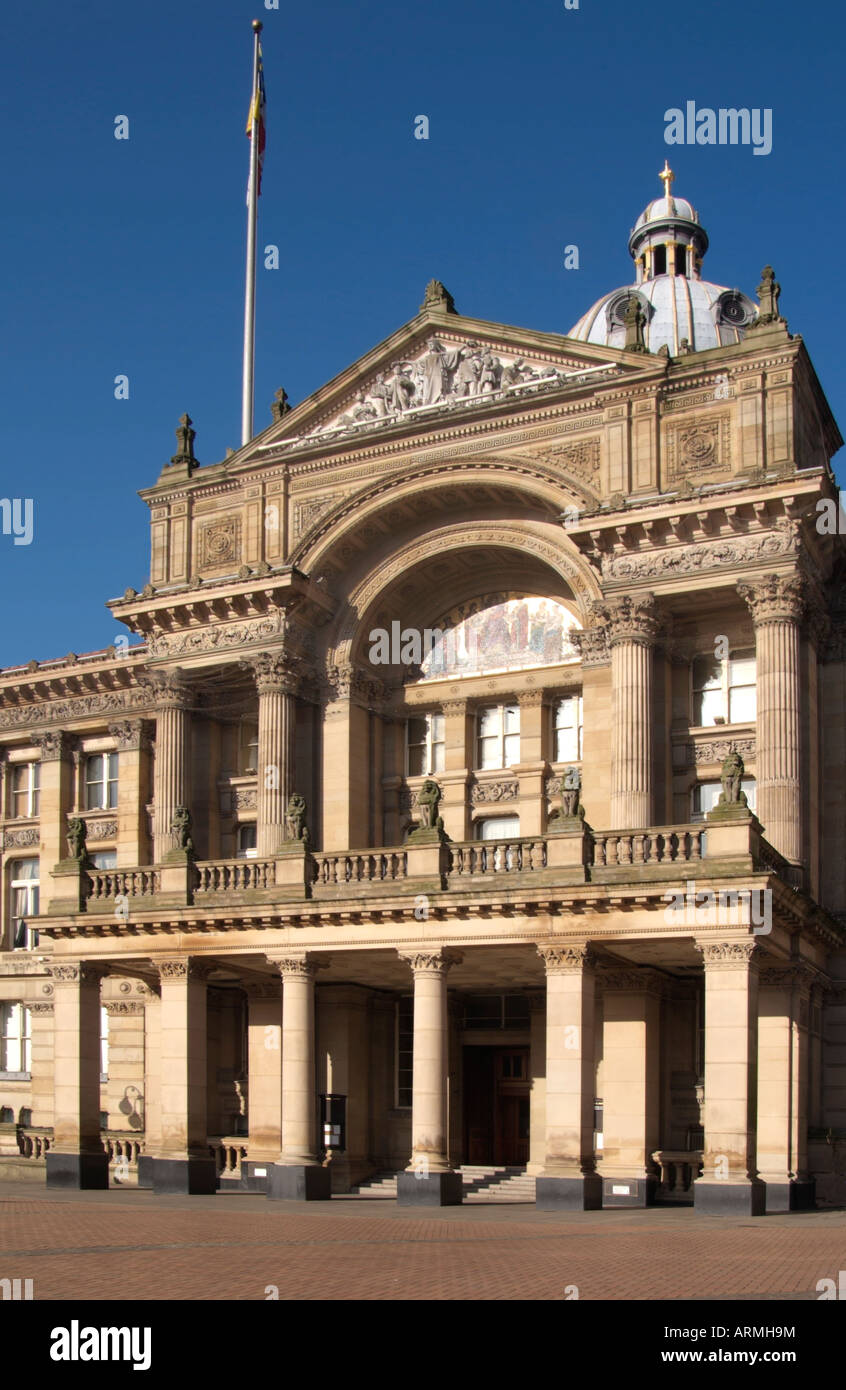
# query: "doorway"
{"points": [[496, 1106]]}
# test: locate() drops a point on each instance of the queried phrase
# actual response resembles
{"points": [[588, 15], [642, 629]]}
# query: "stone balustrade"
{"points": [[573, 856], [228, 1153], [108, 884], [34, 1141], [679, 1170], [369, 866], [476, 857], [234, 875]]}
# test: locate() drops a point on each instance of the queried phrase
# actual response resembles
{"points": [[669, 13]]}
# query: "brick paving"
{"points": [[128, 1245]]}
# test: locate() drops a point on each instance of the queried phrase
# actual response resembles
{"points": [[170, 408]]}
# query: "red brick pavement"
{"points": [[133, 1245]]}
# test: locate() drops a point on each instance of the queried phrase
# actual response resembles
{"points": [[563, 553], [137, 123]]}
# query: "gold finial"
{"points": [[667, 177]]}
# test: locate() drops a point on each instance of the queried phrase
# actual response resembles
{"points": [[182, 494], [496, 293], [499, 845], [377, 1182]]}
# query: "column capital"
{"points": [[77, 972], [532, 698], [183, 968], [166, 689], [729, 955], [275, 673], [630, 619], [117, 1007], [131, 735], [297, 966], [431, 961], [592, 645], [54, 744], [774, 598], [453, 708], [567, 960]]}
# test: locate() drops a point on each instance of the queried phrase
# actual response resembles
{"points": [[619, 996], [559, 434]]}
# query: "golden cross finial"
{"points": [[667, 177]]}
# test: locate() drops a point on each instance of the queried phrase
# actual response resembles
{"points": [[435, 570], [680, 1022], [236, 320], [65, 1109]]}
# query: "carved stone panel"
{"points": [[698, 445], [220, 542]]}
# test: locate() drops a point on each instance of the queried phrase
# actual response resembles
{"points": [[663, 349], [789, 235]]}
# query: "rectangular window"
{"points": [[405, 1051], [15, 1038], [724, 692], [567, 721], [425, 745], [249, 749], [23, 891], [101, 774], [247, 841], [498, 736], [104, 859], [26, 782]]}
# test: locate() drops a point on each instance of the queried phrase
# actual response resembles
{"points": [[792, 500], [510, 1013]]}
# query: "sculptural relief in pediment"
{"points": [[446, 376]]}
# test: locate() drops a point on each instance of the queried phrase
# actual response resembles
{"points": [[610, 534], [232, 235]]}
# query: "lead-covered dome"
{"points": [[682, 311]]}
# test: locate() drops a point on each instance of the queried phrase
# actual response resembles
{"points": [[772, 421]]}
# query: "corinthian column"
{"points": [[429, 1180], [632, 626], [276, 683], [776, 604], [172, 772]]}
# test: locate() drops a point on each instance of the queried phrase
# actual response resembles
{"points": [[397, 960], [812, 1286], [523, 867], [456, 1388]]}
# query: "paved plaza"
{"points": [[130, 1244]]}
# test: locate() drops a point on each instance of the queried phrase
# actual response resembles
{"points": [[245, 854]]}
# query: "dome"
{"points": [[682, 311]]}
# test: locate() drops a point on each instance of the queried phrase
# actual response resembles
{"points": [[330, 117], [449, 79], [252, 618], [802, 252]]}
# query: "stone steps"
{"points": [[481, 1184]]}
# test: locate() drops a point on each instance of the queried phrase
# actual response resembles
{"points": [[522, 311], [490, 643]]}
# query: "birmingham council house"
{"points": [[467, 820]]}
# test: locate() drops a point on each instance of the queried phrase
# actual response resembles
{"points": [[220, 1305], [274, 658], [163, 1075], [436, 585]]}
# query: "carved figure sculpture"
{"points": [[428, 799], [77, 831], [295, 818], [181, 828], [570, 788], [731, 777]]}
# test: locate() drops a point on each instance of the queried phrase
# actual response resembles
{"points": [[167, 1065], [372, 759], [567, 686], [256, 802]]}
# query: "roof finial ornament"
{"points": [[768, 295], [667, 177], [185, 437]]}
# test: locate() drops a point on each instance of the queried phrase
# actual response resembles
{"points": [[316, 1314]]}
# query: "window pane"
{"points": [[25, 869], [489, 721], [708, 707], [498, 828], [94, 768], [512, 719], [705, 796], [437, 757], [113, 767], [104, 859], [416, 731], [566, 745], [565, 714], [512, 749], [437, 721], [749, 786], [742, 669], [743, 704], [707, 673], [417, 760], [489, 753]]}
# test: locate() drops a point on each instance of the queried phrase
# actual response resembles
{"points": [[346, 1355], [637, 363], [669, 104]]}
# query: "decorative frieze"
{"points": [[28, 837], [215, 636], [507, 790], [666, 563], [131, 735], [579, 458], [117, 1008]]}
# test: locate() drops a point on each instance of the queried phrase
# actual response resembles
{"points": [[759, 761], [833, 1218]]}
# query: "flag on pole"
{"points": [[256, 117]]}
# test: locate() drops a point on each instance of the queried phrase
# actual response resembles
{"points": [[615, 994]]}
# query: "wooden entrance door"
{"points": [[511, 1145]]}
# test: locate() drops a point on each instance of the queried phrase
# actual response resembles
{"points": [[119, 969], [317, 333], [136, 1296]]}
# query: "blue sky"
{"points": [[546, 129]]}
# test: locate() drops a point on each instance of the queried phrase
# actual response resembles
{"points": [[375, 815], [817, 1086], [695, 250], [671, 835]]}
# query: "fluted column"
{"points": [[429, 1180], [298, 1175], [77, 1158], [570, 1180], [776, 604], [730, 1184], [171, 778], [276, 683], [632, 626]]}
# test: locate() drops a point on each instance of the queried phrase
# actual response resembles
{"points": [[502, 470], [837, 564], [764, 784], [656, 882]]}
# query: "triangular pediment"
{"points": [[438, 365]]}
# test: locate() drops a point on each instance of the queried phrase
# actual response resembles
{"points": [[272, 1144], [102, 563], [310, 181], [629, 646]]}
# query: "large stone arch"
{"points": [[539, 487], [544, 545]]}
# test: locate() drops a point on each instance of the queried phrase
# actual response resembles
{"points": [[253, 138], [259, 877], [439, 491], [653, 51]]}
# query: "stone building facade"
{"points": [[473, 792]]}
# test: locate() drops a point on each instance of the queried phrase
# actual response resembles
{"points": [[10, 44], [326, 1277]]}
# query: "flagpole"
{"points": [[248, 384]]}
